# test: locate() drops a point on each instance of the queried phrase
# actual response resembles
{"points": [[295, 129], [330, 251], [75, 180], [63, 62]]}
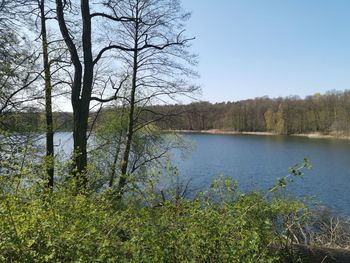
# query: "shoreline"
{"points": [[338, 136]]}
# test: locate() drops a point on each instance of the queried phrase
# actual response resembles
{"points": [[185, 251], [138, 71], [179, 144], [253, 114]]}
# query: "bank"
{"points": [[315, 135]]}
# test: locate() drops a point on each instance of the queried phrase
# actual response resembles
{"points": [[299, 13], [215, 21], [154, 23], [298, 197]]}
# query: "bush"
{"points": [[220, 225]]}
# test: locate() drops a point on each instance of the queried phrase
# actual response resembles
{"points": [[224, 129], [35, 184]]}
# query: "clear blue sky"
{"points": [[252, 48]]}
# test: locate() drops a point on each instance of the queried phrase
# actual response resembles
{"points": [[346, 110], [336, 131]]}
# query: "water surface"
{"points": [[256, 162]]}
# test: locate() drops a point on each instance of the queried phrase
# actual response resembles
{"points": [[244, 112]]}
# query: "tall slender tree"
{"points": [[48, 94], [154, 50], [84, 67]]}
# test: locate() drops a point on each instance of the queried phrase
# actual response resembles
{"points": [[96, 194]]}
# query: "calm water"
{"points": [[256, 161]]}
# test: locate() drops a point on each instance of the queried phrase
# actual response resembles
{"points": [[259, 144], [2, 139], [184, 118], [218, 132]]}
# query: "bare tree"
{"points": [[84, 63], [48, 93], [17, 68], [36, 14], [18, 75], [154, 51]]}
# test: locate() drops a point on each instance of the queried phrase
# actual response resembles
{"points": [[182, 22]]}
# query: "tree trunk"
{"points": [[309, 254], [125, 161], [48, 99], [81, 89], [115, 160], [81, 102], [80, 144]]}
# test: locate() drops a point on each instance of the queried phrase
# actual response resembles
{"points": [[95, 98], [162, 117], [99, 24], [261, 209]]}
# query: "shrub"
{"points": [[220, 225]]}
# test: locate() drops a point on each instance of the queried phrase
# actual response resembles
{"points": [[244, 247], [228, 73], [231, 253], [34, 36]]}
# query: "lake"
{"points": [[257, 161]]}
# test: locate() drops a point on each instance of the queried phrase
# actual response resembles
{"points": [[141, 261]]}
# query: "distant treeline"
{"points": [[33, 120], [291, 115]]}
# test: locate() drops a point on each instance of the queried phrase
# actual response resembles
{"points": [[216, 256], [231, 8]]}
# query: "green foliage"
{"points": [[275, 121], [294, 171], [220, 225], [150, 149]]}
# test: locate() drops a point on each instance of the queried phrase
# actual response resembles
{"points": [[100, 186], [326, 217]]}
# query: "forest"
{"points": [[327, 113], [122, 65]]}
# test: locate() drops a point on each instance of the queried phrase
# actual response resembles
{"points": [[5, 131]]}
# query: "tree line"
{"points": [[327, 113]]}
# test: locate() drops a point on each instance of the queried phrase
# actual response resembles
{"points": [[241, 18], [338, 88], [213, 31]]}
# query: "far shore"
{"points": [[315, 135]]}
